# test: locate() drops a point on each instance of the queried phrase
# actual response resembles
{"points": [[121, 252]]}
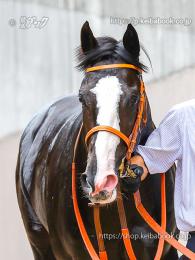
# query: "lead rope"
{"points": [[163, 194], [99, 235], [124, 228], [163, 218], [85, 237], [158, 229], [122, 216], [133, 140], [80, 223]]}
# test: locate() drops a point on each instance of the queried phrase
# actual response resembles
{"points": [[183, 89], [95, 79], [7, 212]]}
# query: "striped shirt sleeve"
{"points": [[163, 146]]}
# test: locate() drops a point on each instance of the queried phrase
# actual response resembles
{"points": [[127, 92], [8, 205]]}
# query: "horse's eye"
{"points": [[80, 98], [134, 99]]}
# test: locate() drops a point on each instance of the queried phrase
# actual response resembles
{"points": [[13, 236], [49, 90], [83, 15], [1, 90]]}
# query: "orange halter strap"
{"points": [[107, 129], [130, 143], [113, 66]]}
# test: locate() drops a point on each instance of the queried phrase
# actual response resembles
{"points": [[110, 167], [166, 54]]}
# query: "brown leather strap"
{"points": [[134, 134], [99, 235], [124, 229], [121, 208]]}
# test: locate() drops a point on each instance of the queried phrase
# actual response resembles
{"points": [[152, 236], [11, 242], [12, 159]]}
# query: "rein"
{"points": [[130, 143]]}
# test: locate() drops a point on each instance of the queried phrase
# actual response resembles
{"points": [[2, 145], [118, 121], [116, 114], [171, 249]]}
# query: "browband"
{"points": [[112, 66]]}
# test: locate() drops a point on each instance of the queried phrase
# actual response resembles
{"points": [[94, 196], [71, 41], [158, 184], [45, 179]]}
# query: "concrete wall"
{"points": [[13, 239], [171, 90], [37, 65]]}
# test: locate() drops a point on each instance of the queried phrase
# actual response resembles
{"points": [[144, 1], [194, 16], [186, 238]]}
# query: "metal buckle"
{"points": [[125, 170]]}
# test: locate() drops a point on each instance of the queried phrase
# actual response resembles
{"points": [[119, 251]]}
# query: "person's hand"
{"points": [[131, 178], [138, 160]]}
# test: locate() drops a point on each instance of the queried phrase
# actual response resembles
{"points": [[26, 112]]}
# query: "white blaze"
{"points": [[107, 91]]}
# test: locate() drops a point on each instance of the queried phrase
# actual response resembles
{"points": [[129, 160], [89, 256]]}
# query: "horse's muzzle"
{"points": [[106, 183]]}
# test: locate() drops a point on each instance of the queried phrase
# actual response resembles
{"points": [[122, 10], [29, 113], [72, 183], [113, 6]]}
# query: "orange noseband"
{"points": [[107, 129]]}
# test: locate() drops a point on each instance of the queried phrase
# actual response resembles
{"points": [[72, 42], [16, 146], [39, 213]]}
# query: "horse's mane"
{"points": [[108, 49]]}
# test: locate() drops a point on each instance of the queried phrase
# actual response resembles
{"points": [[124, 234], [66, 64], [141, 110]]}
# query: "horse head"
{"points": [[109, 97]]}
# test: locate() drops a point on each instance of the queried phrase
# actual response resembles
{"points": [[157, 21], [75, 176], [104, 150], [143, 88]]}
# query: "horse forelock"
{"points": [[108, 51]]}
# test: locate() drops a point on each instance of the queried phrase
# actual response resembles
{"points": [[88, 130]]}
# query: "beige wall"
{"points": [[168, 91]]}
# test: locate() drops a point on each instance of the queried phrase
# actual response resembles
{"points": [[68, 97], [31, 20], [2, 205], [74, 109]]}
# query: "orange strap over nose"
{"points": [[107, 129], [113, 66]]}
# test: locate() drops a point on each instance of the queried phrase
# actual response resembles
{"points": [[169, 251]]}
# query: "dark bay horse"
{"points": [[43, 175]]}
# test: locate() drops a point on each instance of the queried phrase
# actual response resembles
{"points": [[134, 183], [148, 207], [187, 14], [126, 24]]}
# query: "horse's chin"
{"points": [[111, 197]]}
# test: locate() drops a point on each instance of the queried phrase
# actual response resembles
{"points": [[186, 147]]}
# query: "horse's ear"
{"points": [[88, 41], [131, 41]]}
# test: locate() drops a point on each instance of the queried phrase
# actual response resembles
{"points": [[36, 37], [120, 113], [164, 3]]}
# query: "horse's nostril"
{"points": [[88, 182], [84, 178], [103, 195]]}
